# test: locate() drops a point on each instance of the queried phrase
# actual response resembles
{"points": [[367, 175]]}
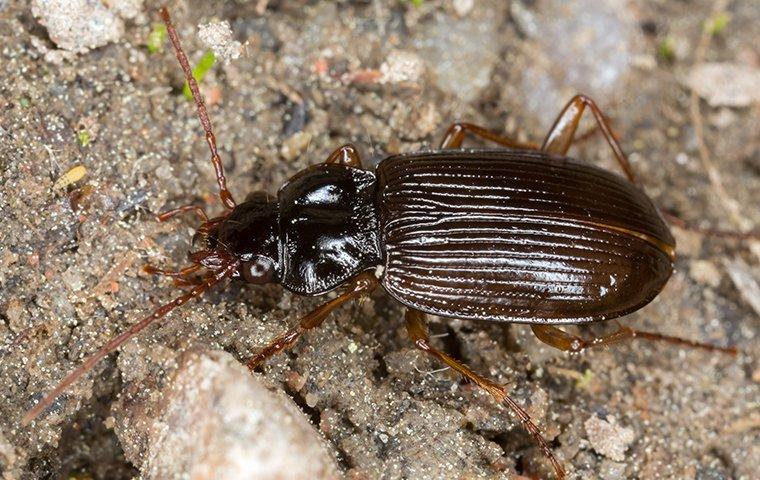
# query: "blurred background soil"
{"points": [[95, 86]]}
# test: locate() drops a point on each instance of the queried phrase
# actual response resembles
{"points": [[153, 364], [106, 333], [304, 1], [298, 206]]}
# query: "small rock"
{"points": [[524, 19], [126, 8], [582, 46], [218, 37], [725, 84], [705, 272], [402, 67], [219, 421], [463, 7], [453, 45], [610, 470], [9, 458], [78, 25], [608, 438], [16, 313], [745, 281], [295, 145]]}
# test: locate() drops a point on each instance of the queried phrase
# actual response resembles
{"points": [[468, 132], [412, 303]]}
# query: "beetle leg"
{"points": [[362, 284], [345, 155], [562, 340], [164, 216], [415, 325], [562, 133], [151, 270], [456, 133]]}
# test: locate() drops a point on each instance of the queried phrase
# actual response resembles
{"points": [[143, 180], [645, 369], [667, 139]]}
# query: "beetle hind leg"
{"points": [[567, 342], [563, 134], [415, 325]]}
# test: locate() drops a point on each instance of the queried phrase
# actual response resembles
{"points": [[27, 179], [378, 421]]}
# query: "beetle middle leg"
{"points": [[455, 135], [362, 284], [164, 216], [415, 325], [562, 134], [567, 342]]}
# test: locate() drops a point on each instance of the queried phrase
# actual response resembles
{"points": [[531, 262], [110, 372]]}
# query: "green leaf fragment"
{"points": [[717, 24], [156, 37], [84, 138], [585, 380], [666, 50], [204, 65]]}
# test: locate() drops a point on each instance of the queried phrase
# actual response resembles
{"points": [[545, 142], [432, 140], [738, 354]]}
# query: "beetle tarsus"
{"points": [[564, 341]]}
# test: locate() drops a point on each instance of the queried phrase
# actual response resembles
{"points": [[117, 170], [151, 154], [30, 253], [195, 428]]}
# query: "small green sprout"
{"points": [[717, 24], [157, 37], [666, 50], [84, 138], [200, 70], [585, 380], [417, 3]]}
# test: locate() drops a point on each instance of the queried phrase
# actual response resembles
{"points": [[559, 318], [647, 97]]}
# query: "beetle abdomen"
{"points": [[518, 236]]}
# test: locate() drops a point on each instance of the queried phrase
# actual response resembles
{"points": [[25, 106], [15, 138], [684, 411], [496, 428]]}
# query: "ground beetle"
{"points": [[521, 234]]}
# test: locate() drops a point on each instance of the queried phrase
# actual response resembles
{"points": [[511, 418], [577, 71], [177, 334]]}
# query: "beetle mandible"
{"points": [[520, 234]]}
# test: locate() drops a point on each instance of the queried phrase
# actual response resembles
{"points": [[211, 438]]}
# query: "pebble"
{"points": [[725, 84], [295, 145], [218, 37], [463, 7], [78, 25], [609, 438], [584, 46], [610, 470], [745, 278], [402, 67], [453, 46], [705, 272], [219, 421]]}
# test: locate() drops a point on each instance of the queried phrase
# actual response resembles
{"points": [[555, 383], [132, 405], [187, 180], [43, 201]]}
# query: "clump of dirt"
{"points": [[388, 77]]}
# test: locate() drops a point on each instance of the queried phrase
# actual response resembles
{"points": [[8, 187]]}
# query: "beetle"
{"points": [[520, 234]]}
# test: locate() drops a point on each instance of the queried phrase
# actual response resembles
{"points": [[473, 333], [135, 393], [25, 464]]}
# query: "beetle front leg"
{"points": [[415, 326], [362, 284], [562, 340], [345, 155], [456, 133]]}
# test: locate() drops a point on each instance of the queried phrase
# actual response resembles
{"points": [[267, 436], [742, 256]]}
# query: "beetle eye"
{"points": [[259, 270]]}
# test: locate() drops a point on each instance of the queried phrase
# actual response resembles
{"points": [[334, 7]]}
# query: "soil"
{"points": [[388, 77]]}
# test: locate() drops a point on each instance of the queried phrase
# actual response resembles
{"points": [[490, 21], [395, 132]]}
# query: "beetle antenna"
{"points": [[116, 342], [224, 193]]}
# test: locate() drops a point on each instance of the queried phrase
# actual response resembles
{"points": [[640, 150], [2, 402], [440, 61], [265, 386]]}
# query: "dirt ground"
{"points": [[388, 76]]}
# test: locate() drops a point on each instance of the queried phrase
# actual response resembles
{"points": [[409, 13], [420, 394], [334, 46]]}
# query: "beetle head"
{"points": [[248, 235]]}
